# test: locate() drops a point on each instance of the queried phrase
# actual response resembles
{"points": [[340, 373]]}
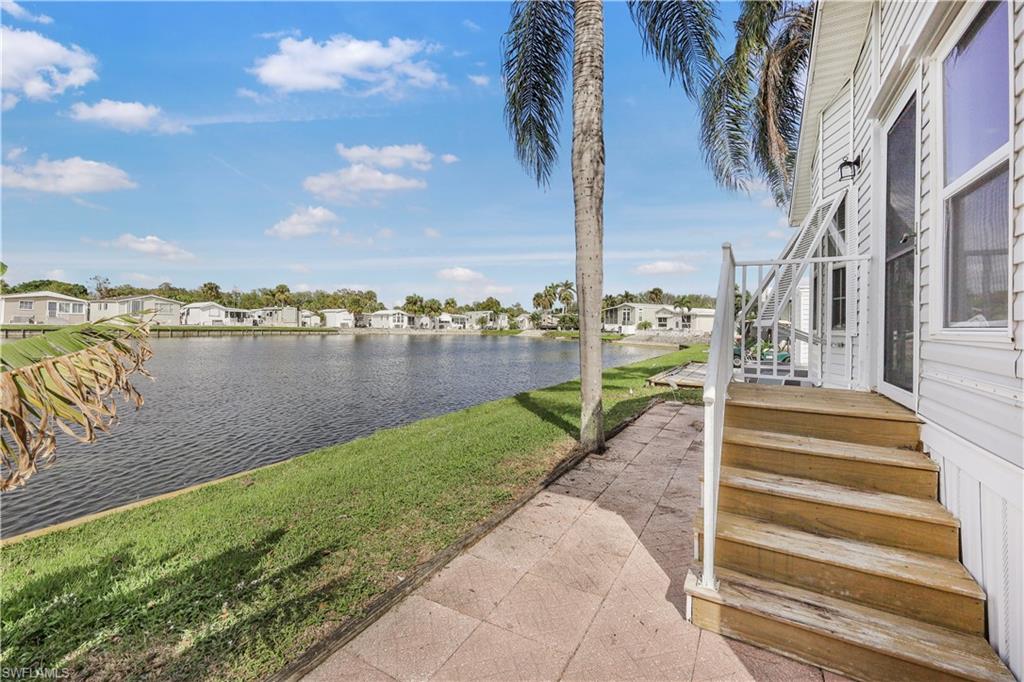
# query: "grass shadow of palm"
{"points": [[164, 622]]}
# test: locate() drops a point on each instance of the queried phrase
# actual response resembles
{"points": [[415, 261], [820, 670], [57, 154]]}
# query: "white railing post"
{"points": [[715, 394]]}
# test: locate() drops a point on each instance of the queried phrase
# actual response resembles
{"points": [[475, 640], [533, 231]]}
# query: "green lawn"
{"points": [[569, 334], [235, 579], [501, 332]]}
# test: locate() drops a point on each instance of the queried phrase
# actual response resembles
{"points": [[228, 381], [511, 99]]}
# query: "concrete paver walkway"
{"points": [[585, 582]]}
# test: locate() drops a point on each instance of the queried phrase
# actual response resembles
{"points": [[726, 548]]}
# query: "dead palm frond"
{"points": [[67, 380], [751, 110]]}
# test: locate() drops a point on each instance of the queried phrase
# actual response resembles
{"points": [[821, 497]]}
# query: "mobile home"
{"points": [[211, 314], [162, 310], [338, 317], [43, 307]]}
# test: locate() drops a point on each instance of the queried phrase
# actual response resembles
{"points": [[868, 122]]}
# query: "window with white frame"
{"points": [[78, 308], [64, 307], [24, 305], [976, 180]]}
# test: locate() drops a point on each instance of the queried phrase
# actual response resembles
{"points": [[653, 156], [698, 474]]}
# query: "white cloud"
{"points": [[431, 233], [768, 202], [348, 184], [778, 234], [128, 117], [385, 233], [21, 14], [460, 274], [253, 95], [480, 80], [782, 221], [304, 222], [392, 156], [300, 267], [66, 176], [449, 158], [459, 53], [471, 25], [497, 290], [151, 245], [57, 273], [307, 65], [37, 68], [664, 267], [142, 279], [277, 35], [14, 153]]}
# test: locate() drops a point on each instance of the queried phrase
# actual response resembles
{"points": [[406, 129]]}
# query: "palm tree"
{"points": [[681, 35], [656, 295], [566, 294], [67, 380], [751, 110]]}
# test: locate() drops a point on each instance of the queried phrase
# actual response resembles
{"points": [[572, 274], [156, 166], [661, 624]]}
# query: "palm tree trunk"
{"points": [[588, 195]]}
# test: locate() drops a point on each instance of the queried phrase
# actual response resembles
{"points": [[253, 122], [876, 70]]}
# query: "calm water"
{"points": [[228, 404]]}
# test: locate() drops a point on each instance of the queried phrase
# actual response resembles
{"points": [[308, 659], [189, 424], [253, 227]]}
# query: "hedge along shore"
{"points": [[239, 578]]}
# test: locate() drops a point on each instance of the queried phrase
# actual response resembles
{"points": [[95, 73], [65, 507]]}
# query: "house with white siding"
{"points": [[392, 319], [160, 309], [307, 318], [626, 318], [43, 307], [524, 321], [338, 317], [864, 407], [212, 314], [276, 316]]}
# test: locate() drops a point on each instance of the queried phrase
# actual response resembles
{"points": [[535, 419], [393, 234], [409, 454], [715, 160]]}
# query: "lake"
{"points": [[222, 405]]}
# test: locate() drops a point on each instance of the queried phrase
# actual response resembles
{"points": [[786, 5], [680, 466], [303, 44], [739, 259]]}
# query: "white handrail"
{"points": [[716, 387]]}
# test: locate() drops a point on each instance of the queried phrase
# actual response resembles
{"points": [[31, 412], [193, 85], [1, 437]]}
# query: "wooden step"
{"points": [[839, 635], [829, 509], [869, 467], [851, 416], [933, 589]]}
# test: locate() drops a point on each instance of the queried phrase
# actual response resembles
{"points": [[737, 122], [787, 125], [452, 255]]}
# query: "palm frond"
{"points": [[779, 100], [680, 34], [750, 112], [64, 379], [535, 70]]}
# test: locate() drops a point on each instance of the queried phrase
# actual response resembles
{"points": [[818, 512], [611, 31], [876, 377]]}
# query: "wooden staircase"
{"points": [[831, 546]]}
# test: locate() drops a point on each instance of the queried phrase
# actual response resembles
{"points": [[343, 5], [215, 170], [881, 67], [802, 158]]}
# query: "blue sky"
{"points": [[326, 145]]}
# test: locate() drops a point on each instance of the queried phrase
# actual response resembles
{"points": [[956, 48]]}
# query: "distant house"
{"points": [[162, 309], [338, 317], [276, 316], [626, 318], [43, 307], [307, 318], [425, 322], [392, 319], [450, 321], [480, 319], [211, 314], [502, 321], [524, 321], [549, 320]]}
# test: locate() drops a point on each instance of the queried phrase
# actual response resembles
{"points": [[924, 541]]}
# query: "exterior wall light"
{"points": [[848, 169]]}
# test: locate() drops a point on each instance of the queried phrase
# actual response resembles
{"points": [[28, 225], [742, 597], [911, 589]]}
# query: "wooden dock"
{"points": [[690, 375]]}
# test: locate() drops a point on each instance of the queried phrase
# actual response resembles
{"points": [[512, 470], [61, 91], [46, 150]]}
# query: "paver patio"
{"points": [[585, 582]]}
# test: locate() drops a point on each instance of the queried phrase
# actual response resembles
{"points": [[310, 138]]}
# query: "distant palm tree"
{"points": [[681, 35], [656, 295], [751, 110], [566, 294]]}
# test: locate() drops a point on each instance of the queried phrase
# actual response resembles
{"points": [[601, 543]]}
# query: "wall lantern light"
{"points": [[848, 169]]}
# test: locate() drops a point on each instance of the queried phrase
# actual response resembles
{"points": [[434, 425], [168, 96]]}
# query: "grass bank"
{"points": [[235, 579], [568, 334], [501, 332]]}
